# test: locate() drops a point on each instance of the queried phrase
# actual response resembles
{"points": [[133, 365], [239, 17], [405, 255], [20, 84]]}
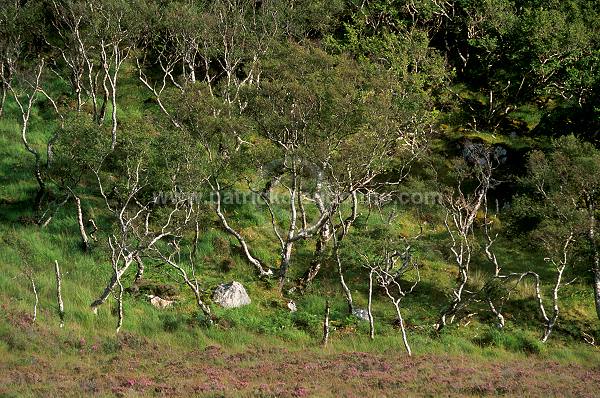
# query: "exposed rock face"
{"points": [[361, 314], [160, 302], [231, 295]]}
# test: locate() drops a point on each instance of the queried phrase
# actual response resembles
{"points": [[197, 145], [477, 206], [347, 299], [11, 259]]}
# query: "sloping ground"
{"points": [[136, 366], [212, 372]]}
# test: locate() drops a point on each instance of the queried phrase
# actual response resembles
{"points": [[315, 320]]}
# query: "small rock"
{"points": [[231, 295], [292, 306], [160, 302], [361, 314]]}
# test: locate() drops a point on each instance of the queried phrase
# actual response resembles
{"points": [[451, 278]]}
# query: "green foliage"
{"points": [[563, 183], [515, 341]]}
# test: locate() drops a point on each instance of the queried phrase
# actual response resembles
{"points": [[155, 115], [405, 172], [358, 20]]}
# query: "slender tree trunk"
{"points": [[596, 256], [119, 302], [61, 309], [78, 92], [114, 114], [347, 292], [597, 285], [140, 269], [369, 307], [85, 243], [102, 113], [287, 245], [402, 328], [326, 324], [497, 313], [93, 82], [111, 285], [253, 260], [2, 98], [286, 256], [314, 267], [38, 163], [37, 300]]}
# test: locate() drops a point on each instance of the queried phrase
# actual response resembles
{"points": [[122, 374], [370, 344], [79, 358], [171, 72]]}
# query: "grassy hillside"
{"points": [[469, 358]]}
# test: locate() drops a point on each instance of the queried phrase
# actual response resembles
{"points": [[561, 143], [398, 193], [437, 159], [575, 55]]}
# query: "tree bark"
{"points": [[596, 256], [119, 300], [369, 307], [253, 260], [111, 285], [140, 270], [347, 292], [37, 300], [85, 242], [314, 267], [61, 309], [326, 324], [2, 99], [286, 256], [102, 113], [403, 329]]}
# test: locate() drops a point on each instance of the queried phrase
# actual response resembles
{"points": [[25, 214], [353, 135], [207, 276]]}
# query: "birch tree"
{"points": [[219, 44], [20, 23], [388, 269], [568, 181], [27, 90], [127, 181], [329, 133], [557, 244], [462, 208], [93, 42], [144, 229]]}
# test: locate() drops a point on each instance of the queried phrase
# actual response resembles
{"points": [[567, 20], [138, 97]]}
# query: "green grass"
{"points": [[266, 322]]}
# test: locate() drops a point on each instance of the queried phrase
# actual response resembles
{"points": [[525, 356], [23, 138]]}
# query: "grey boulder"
{"points": [[361, 314], [231, 295]]}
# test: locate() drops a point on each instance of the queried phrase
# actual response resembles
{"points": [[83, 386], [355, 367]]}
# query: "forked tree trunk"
{"points": [[193, 285], [314, 267], [111, 285], [286, 256]]}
